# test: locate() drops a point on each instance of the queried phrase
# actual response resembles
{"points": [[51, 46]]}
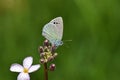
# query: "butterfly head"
{"points": [[58, 43]]}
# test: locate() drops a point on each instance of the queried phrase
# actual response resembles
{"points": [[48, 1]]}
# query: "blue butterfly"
{"points": [[53, 31]]}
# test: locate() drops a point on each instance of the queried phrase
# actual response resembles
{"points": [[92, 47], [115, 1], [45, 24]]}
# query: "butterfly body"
{"points": [[53, 31]]}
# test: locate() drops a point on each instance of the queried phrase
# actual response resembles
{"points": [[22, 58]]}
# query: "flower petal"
{"points": [[16, 68], [27, 62], [23, 76], [34, 68]]}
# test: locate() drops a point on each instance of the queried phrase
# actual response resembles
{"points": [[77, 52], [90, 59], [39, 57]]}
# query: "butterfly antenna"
{"points": [[66, 40], [66, 43]]}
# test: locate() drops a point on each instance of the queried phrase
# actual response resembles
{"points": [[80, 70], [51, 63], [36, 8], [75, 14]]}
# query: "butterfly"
{"points": [[53, 31]]}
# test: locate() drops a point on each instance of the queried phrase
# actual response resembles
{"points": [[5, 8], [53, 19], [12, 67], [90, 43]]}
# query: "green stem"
{"points": [[45, 72]]}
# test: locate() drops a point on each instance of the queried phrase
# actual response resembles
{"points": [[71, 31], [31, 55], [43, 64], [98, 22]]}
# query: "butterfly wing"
{"points": [[50, 33], [53, 30], [59, 26]]}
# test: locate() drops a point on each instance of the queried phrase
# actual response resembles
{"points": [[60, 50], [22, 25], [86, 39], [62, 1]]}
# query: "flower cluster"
{"points": [[47, 54]]}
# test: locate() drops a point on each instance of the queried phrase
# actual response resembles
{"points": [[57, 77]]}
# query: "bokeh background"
{"points": [[92, 25]]}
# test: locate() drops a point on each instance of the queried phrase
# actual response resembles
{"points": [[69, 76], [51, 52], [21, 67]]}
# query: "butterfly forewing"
{"points": [[59, 26]]}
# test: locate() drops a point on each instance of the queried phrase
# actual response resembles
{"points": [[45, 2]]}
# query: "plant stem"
{"points": [[45, 72]]}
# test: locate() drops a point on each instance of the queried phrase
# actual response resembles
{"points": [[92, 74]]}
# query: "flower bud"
{"points": [[42, 61], [52, 67], [46, 49], [50, 58], [46, 43], [42, 54], [40, 49], [53, 49], [55, 54]]}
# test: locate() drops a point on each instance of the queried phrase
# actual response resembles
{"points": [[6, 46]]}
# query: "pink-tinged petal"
{"points": [[34, 68], [23, 76], [27, 62], [16, 68]]}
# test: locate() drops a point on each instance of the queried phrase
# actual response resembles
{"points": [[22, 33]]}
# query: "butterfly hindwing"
{"points": [[50, 33]]}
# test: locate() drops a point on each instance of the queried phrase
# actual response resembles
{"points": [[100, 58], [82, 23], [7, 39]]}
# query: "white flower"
{"points": [[25, 69]]}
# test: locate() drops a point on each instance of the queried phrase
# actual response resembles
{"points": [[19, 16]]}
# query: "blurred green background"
{"points": [[92, 25]]}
